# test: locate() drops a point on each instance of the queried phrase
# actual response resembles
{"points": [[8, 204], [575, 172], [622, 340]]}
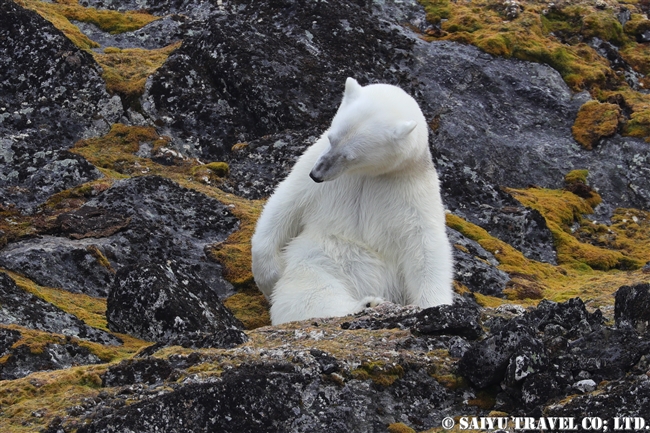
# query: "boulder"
{"points": [[169, 304]]}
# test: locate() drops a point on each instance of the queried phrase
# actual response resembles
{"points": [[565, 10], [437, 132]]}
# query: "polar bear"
{"points": [[359, 219]]}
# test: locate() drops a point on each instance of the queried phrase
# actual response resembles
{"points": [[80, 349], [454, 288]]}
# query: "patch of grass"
{"points": [[61, 12], [91, 311], [399, 427], [595, 120], [126, 71]]}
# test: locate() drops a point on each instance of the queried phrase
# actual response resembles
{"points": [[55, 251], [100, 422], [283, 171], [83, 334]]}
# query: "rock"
{"points": [[139, 220], [169, 304], [154, 35], [486, 362], [18, 307], [449, 320], [7, 338], [129, 372], [476, 268], [23, 361], [51, 261], [51, 95], [264, 68], [584, 386], [632, 307]]}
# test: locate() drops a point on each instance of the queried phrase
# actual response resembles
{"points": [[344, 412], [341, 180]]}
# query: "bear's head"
{"points": [[378, 129]]}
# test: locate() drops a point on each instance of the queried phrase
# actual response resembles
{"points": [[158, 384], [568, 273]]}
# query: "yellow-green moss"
{"points": [[221, 169], [379, 372], [399, 427], [100, 257], [594, 121], [127, 70], [562, 210], [485, 399], [250, 307], [576, 176]]}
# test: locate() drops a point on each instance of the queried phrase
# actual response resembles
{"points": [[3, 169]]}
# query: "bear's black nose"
{"points": [[314, 178]]}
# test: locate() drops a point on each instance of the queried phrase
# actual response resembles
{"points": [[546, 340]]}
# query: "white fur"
{"points": [[373, 230]]}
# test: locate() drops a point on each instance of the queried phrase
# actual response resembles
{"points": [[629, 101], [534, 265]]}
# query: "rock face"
{"points": [[51, 94], [136, 221], [169, 304], [18, 307]]}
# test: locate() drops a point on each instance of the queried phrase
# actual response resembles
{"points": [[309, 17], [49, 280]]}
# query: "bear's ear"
{"points": [[404, 128], [352, 89]]}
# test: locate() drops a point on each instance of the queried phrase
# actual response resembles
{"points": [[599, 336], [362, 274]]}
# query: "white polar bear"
{"points": [[368, 226]]}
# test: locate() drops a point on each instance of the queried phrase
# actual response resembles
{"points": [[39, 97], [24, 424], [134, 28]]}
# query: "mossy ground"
{"points": [[557, 35], [594, 260]]}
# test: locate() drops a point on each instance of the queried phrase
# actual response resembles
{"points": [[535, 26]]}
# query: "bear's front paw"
{"points": [[369, 302]]}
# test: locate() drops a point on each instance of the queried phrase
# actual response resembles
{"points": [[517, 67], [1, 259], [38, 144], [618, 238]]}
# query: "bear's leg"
{"points": [[308, 291]]}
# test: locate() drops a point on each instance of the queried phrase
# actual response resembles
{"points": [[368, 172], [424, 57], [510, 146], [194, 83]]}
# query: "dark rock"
{"points": [[145, 219], [23, 361], [7, 338], [156, 34], [91, 222], [169, 304], [632, 307], [51, 95], [18, 307], [476, 268], [129, 372], [485, 363], [449, 320], [60, 262], [264, 68], [519, 133], [279, 398]]}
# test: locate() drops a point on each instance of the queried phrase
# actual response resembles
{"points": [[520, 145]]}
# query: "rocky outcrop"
{"points": [[18, 307], [139, 220], [169, 304], [51, 94]]}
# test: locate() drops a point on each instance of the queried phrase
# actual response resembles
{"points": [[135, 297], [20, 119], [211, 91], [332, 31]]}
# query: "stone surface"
{"points": [[138, 220], [169, 304], [51, 95], [633, 306], [18, 307], [23, 361]]}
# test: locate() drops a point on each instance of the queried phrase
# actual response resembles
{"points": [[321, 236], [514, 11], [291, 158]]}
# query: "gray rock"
{"points": [[23, 362], [135, 221], [51, 95], [18, 307], [632, 307], [585, 386], [170, 305], [156, 34]]}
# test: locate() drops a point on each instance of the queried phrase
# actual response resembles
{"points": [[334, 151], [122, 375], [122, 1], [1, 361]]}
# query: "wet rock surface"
{"points": [[169, 304], [51, 94], [136, 221]]}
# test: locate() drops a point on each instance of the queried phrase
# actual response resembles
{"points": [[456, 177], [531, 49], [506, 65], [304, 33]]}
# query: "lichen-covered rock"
{"points": [[51, 95], [168, 303], [23, 361], [258, 69], [140, 371], [18, 307], [632, 306], [135, 221]]}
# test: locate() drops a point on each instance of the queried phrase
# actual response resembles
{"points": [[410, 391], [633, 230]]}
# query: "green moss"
{"points": [[485, 399], [127, 70], [379, 372], [576, 176], [221, 169], [594, 121]]}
